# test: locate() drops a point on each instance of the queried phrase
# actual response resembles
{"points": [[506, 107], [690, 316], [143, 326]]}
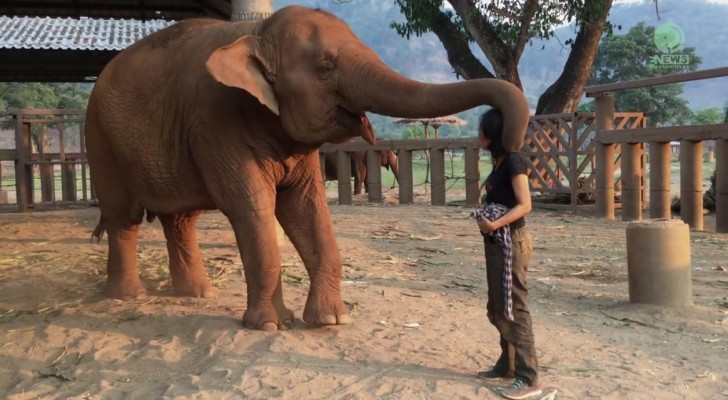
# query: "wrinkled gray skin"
{"points": [[387, 159], [211, 114]]}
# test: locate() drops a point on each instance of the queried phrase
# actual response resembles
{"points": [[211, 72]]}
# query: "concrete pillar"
{"points": [[631, 182], [344, 177], [406, 189], [604, 120], [721, 186], [658, 262], [691, 183], [660, 180], [374, 176], [437, 169], [250, 10]]}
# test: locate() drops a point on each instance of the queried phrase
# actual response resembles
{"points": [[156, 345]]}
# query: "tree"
{"points": [[708, 116], [502, 28], [42, 95], [626, 57]]}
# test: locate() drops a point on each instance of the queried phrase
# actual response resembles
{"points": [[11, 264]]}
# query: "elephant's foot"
{"points": [[128, 288], [326, 310], [200, 287], [268, 318]]}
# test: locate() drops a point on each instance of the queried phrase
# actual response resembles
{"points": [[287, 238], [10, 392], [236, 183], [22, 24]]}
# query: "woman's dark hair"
{"points": [[491, 127]]}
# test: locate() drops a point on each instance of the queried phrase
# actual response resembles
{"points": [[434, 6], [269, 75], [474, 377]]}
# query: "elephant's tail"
{"points": [[100, 229], [98, 232]]}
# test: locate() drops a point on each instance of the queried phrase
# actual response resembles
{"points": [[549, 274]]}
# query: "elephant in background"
{"points": [[388, 160], [209, 114]]}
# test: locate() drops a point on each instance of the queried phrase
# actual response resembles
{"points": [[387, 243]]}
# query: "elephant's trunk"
{"points": [[379, 89]]}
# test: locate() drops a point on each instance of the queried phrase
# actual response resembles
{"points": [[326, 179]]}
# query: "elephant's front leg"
{"points": [[254, 227], [304, 215], [185, 261]]}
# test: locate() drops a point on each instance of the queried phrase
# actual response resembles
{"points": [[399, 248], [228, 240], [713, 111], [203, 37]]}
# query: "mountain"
{"points": [[424, 58]]}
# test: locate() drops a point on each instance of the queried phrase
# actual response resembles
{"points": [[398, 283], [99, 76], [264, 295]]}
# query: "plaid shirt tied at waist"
{"points": [[502, 237]]}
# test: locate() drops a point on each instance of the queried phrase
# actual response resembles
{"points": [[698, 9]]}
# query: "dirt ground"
{"points": [[414, 279]]}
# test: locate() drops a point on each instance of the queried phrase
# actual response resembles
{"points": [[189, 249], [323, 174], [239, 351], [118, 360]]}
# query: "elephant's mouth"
{"points": [[357, 123]]}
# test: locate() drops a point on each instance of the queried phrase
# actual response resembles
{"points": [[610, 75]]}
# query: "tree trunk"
{"points": [[564, 94]]}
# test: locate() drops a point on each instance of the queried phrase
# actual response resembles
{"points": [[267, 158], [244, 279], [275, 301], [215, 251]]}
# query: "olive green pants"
{"points": [[518, 349]]}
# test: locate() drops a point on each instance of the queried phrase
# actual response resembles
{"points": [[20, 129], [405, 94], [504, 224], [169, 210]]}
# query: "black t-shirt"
{"points": [[498, 186]]}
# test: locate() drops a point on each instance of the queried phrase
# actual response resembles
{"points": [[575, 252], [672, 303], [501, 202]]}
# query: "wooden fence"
{"points": [[62, 173], [691, 156], [560, 149]]}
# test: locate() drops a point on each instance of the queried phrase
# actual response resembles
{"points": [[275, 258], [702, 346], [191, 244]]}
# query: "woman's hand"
{"points": [[485, 225]]}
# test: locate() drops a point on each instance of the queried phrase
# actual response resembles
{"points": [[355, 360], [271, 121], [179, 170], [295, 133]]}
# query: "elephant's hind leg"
{"points": [[118, 216], [185, 261]]}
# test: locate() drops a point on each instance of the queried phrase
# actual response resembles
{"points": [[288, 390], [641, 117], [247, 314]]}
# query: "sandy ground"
{"points": [[414, 280]]}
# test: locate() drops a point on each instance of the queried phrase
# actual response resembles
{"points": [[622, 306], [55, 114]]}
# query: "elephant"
{"points": [[388, 160], [217, 115]]}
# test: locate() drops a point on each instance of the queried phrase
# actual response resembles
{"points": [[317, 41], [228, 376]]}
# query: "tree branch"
{"points": [[459, 54], [529, 11], [485, 35]]}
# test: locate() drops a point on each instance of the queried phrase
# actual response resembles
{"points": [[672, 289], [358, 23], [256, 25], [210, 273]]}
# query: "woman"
{"points": [[507, 185]]}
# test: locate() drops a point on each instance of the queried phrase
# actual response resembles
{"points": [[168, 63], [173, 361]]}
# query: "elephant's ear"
{"points": [[237, 65]]}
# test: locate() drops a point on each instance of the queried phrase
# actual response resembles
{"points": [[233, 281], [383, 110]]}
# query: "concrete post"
{"points": [[658, 262], [605, 158], [660, 180], [721, 186], [691, 183], [251, 10], [631, 182]]}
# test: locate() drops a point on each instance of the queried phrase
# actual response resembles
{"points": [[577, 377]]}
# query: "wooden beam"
{"points": [[664, 134], [8, 154], [592, 91]]}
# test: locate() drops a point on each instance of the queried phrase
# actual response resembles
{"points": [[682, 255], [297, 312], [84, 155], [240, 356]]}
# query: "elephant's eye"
{"points": [[325, 69]]}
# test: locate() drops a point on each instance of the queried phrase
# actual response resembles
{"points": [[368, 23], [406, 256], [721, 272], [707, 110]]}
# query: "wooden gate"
{"points": [[561, 149]]}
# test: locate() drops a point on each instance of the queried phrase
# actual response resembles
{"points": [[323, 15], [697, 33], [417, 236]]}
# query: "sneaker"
{"points": [[492, 375], [520, 390]]}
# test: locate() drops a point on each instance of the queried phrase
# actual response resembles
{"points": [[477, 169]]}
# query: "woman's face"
{"points": [[484, 142]]}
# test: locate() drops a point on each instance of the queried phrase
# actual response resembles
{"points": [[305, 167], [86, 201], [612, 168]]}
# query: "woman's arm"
{"points": [[522, 208]]}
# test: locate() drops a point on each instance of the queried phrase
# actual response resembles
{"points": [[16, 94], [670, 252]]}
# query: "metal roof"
{"points": [[35, 33], [123, 9]]}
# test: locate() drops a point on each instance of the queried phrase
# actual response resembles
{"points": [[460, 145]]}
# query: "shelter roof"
{"points": [[35, 33], [120, 9], [71, 41]]}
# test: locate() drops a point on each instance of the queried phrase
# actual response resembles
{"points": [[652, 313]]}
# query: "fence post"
{"points": [[604, 158], [721, 186], [472, 176], [660, 180], [691, 183], [344, 175], [631, 181], [575, 124], [406, 195], [437, 167], [23, 170], [68, 179], [47, 175], [374, 176]]}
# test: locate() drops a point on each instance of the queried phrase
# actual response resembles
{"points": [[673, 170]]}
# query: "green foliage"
{"points": [[413, 132], [627, 57], [504, 15], [708, 116], [43, 95]]}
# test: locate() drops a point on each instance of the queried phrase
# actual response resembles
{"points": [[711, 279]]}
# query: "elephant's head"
{"points": [[308, 67]]}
